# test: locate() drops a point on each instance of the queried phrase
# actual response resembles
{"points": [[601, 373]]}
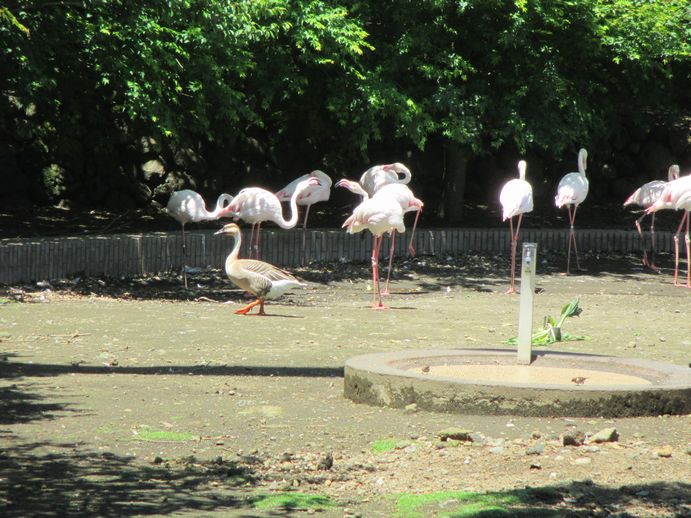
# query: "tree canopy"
{"points": [[90, 89]]}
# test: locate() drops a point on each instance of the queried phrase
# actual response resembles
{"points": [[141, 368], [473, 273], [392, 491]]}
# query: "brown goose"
{"points": [[261, 279]]}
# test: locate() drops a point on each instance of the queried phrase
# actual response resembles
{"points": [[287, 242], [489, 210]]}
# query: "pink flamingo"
{"points": [[378, 215], [256, 205], [187, 206], [311, 195], [572, 190], [644, 196], [408, 202], [516, 198], [677, 195]]}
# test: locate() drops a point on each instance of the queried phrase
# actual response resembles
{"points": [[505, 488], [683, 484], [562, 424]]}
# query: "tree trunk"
{"points": [[455, 169]]}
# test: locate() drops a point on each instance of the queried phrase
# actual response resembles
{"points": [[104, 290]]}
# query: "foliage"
{"points": [[551, 331], [83, 84]]}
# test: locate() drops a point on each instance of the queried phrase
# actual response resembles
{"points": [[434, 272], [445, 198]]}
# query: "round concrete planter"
{"points": [[488, 381]]}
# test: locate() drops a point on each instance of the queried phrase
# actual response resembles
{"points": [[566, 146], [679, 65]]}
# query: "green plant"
{"points": [[552, 329]]}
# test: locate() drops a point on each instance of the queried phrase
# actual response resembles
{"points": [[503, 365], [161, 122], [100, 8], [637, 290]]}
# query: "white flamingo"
{"points": [[516, 198], [572, 190], [263, 280], [311, 195], [255, 205], [187, 206], [378, 215], [644, 196], [677, 195]]}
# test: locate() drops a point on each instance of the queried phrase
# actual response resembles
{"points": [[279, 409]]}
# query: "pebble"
{"points": [[456, 434], [411, 408], [580, 461], [536, 449], [664, 451], [574, 438], [605, 435]]}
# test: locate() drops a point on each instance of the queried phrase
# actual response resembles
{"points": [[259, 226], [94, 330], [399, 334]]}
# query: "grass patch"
{"points": [[384, 445], [463, 504], [291, 501], [147, 434]]}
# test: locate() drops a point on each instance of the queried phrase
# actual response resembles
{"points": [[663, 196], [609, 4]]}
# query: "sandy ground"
{"points": [[88, 367]]}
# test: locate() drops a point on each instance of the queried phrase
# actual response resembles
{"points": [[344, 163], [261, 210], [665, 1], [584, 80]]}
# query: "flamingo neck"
{"points": [[221, 207], [582, 157], [286, 224], [521, 170]]}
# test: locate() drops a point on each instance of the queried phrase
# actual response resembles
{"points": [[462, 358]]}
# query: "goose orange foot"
{"points": [[245, 310]]}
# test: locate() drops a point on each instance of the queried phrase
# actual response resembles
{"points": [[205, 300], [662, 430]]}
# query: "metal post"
{"points": [[525, 312]]}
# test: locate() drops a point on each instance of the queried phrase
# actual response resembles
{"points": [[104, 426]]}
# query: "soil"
{"points": [[99, 375]]}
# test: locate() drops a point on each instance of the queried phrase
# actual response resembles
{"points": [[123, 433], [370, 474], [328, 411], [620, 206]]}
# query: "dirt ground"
{"points": [[134, 397]]}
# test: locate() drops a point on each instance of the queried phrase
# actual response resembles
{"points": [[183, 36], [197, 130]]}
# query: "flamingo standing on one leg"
{"points": [[311, 195], [255, 205], [263, 280], [677, 195], [408, 203], [516, 198], [572, 190], [187, 206], [378, 215], [644, 196]]}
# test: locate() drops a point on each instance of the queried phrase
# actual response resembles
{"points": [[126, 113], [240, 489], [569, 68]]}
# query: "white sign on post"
{"points": [[525, 310]]}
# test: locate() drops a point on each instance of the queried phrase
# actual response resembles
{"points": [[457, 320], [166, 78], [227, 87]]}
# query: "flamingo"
{"points": [[516, 199], [187, 206], [677, 195], [408, 202], [261, 279], [313, 194], [644, 196], [378, 215], [255, 205], [572, 190], [379, 175]]}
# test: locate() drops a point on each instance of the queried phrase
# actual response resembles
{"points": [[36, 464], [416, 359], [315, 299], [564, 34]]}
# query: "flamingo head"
{"points": [[416, 204]]}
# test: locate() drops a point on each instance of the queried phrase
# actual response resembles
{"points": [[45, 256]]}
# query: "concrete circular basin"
{"points": [[489, 381]]}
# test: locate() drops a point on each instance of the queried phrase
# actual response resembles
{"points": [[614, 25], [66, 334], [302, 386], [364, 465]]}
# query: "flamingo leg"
{"points": [[245, 309], [684, 219], [377, 302], [304, 234], [514, 245], [256, 244], [640, 234], [391, 252], [411, 248], [184, 256], [251, 241], [688, 251], [652, 265], [572, 239]]}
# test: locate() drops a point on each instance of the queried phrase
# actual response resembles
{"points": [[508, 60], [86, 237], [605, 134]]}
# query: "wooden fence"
{"points": [[33, 259]]}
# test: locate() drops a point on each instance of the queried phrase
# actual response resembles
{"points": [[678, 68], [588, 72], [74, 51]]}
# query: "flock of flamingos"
{"points": [[385, 198]]}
